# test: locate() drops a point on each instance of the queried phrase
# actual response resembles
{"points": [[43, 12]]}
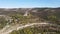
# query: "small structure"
{"points": [[26, 13]]}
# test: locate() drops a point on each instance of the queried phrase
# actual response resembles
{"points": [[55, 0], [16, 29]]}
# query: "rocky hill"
{"points": [[14, 16]]}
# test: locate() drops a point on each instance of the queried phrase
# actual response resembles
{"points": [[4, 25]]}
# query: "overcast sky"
{"points": [[29, 3]]}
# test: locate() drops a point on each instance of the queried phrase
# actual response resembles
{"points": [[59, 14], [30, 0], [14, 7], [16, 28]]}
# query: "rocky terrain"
{"points": [[12, 19]]}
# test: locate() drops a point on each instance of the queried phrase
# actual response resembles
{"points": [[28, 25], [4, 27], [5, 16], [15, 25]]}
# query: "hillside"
{"points": [[23, 16]]}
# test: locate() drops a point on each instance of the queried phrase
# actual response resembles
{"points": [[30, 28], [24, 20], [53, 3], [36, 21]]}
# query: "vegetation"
{"points": [[34, 30], [3, 22], [17, 18], [52, 15]]}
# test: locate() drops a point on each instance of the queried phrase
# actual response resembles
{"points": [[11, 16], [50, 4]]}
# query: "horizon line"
{"points": [[29, 7]]}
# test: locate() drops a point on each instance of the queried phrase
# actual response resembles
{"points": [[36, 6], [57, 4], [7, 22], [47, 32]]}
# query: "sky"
{"points": [[29, 3]]}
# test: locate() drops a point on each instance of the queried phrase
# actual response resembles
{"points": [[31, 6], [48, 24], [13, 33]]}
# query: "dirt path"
{"points": [[8, 29]]}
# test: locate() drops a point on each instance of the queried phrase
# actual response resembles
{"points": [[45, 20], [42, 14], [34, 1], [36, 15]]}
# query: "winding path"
{"points": [[8, 29]]}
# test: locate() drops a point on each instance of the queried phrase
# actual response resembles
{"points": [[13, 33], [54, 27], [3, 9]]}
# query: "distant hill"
{"points": [[48, 14]]}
